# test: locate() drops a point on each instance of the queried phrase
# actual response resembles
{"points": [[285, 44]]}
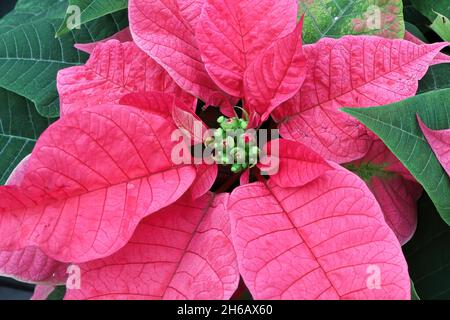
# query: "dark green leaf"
{"points": [[58, 293], [20, 126], [429, 7], [414, 295], [31, 56], [415, 31], [428, 254], [436, 78], [412, 15]]}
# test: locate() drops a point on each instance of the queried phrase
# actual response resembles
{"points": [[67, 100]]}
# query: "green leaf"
{"points": [[20, 126], [27, 11], [429, 7], [30, 55], [437, 75], [428, 254], [91, 10], [335, 18], [414, 295], [412, 15], [436, 78], [58, 293], [441, 25], [397, 126], [415, 31]]}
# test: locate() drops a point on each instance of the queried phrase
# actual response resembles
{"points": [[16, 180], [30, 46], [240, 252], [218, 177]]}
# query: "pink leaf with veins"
{"points": [[206, 176], [440, 57], [160, 104], [18, 173], [181, 252], [398, 201], [232, 34], [155, 102], [30, 264], [121, 36], [353, 72], [42, 292], [298, 165], [320, 241], [159, 29], [439, 141], [394, 187], [92, 177], [328, 131], [191, 10], [163, 105], [190, 123], [275, 76], [113, 70]]}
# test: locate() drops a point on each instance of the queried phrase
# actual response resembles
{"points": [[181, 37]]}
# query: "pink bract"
{"points": [[297, 166], [92, 177], [232, 34], [121, 36], [439, 141], [113, 70], [160, 30], [256, 57], [42, 292], [275, 76], [440, 57], [30, 264], [307, 242], [351, 72], [181, 252], [101, 188]]}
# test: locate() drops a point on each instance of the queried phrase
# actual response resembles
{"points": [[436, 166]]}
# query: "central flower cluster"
{"points": [[233, 144]]}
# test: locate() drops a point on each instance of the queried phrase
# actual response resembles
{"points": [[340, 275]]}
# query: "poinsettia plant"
{"points": [[205, 150]]}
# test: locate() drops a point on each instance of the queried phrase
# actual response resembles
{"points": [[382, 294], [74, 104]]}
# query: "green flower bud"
{"points": [[243, 124], [225, 160], [221, 119], [230, 124], [254, 151], [218, 134], [235, 168]]}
